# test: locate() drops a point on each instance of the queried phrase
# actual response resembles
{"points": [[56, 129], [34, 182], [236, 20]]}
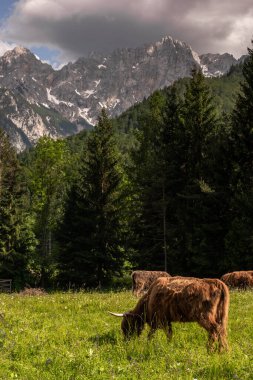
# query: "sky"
{"points": [[60, 31]]}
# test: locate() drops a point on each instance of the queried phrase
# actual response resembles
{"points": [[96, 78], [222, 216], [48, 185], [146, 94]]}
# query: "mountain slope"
{"points": [[224, 90], [63, 102], [25, 123]]}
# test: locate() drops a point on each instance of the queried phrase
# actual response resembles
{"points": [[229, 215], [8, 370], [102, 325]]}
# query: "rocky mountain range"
{"points": [[36, 100]]}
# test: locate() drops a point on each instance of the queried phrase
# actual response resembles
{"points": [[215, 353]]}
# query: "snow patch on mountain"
{"points": [[84, 113], [97, 82], [151, 50], [88, 93], [45, 105], [51, 97], [196, 57]]}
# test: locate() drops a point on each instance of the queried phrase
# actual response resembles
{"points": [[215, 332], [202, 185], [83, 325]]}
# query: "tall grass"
{"points": [[72, 336]]}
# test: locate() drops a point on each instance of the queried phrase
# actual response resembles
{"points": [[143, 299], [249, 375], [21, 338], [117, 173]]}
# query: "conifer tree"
{"points": [[17, 241], [181, 180], [148, 189], [172, 175], [200, 120], [240, 237], [199, 212], [91, 233]]}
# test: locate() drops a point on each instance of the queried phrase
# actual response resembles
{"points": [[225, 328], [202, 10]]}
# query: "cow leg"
{"points": [[212, 338], [222, 337], [212, 328], [169, 332], [153, 327]]}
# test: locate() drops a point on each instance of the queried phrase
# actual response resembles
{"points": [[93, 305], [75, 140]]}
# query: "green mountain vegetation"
{"points": [[224, 89], [166, 185]]}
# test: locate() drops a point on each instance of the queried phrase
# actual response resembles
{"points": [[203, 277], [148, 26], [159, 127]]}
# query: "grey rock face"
{"points": [[214, 65], [119, 80], [37, 100], [26, 122]]}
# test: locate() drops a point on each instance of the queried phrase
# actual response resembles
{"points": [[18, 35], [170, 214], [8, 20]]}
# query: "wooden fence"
{"points": [[5, 286]]}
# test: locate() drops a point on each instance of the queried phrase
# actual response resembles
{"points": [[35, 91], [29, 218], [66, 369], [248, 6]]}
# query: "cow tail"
{"points": [[223, 307]]}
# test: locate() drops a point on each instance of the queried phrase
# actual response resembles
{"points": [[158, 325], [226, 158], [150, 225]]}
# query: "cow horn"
{"points": [[116, 314]]}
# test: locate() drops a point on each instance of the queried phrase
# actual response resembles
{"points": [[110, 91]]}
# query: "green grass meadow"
{"points": [[71, 336]]}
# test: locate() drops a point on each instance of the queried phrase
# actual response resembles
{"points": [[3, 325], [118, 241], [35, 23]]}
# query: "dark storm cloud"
{"points": [[79, 36], [79, 26]]}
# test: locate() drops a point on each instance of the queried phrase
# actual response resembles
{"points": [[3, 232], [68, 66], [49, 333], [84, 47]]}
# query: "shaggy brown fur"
{"points": [[142, 280], [240, 279], [182, 299]]}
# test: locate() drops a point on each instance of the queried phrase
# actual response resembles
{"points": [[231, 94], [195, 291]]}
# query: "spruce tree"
{"points": [[199, 212], [180, 179], [172, 175], [200, 122], [90, 237], [240, 237], [147, 181]]}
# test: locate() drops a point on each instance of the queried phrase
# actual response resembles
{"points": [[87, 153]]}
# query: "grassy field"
{"points": [[72, 336]]}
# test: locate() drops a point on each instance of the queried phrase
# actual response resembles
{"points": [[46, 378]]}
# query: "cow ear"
{"points": [[117, 314]]}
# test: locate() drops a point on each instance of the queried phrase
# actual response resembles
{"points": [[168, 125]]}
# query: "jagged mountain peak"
{"points": [[20, 50], [217, 55], [150, 47], [67, 100], [216, 64], [168, 40], [20, 55], [17, 52]]}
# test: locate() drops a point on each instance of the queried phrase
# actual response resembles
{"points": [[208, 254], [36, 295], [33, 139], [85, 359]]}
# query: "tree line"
{"points": [[84, 212]]}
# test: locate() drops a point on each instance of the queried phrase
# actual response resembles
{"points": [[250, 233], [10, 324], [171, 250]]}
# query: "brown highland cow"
{"points": [[142, 280], [181, 299], [239, 279]]}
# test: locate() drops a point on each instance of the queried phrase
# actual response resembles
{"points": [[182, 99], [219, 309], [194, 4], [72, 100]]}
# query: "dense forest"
{"points": [[167, 185]]}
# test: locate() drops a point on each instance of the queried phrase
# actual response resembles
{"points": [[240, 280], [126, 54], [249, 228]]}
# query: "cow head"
{"points": [[132, 324]]}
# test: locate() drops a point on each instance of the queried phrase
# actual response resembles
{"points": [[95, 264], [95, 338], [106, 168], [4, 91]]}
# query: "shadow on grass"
{"points": [[105, 338]]}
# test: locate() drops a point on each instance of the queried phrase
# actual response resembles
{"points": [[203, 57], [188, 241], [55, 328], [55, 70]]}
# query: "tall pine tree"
{"points": [[90, 237], [240, 237], [172, 177], [147, 178], [199, 206]]}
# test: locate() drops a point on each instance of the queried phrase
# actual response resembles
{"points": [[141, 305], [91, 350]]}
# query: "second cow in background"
{"points": [[142, 280]]}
